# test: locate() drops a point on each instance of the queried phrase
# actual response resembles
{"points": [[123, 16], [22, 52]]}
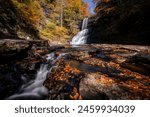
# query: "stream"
{"points": [[77, 64], [34, 89]]}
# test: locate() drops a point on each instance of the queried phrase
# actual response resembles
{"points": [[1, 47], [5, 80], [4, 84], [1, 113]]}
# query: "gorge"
{"points": [[108, 59]]}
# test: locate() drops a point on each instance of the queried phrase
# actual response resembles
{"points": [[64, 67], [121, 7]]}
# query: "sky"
{"points": [[91, 5]]}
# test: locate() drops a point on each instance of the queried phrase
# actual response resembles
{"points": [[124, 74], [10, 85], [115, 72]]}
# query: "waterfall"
{"points": [[85, 23], [34, 89], [81, 37]]}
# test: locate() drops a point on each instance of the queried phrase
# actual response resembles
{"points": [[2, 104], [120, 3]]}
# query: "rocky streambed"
{"points": [[95, 71]]}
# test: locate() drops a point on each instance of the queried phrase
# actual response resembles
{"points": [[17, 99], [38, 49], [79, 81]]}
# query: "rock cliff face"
{"points": [[12, 24], [18, 58], [121, 21]]}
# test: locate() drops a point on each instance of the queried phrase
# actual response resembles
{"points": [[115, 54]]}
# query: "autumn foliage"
{"points": [[55, 19]]}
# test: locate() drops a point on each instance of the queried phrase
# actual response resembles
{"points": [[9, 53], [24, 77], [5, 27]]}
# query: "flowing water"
{"points": [[85, 24], [34, 89], [81, 37]]}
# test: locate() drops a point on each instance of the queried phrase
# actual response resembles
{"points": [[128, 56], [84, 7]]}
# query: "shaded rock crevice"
{"points": [[116, 22]]}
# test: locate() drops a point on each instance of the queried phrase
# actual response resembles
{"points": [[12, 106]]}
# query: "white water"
{"points": [[85, 23], [34, 89], [81, 37]]}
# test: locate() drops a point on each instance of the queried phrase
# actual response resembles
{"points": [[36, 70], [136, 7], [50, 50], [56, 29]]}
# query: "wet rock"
{"points": [[83, 72], [13, 49], [138, 63], [103, 74], [100, 87], [88, 89], [56, 48], [10, 81], [22, 60], [63, 82]]}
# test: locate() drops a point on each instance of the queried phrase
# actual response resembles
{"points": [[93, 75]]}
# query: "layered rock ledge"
{"points": [[101, 72]]}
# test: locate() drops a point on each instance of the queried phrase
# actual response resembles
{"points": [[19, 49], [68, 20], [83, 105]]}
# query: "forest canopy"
{"points": [[55, 19]]}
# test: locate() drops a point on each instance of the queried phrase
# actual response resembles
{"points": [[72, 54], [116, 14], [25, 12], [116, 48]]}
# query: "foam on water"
{"points": [[81, 37], [34, 89]]}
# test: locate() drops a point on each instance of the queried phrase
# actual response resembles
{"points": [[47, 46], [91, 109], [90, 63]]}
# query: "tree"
{"points": [[54, 17], [61, 16]]}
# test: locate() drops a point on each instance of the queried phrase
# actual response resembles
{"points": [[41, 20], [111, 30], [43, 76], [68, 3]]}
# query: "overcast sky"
{"points": [[91, 6]]}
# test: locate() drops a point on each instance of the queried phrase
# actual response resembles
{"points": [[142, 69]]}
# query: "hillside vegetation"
{"points": [[49, 19]]}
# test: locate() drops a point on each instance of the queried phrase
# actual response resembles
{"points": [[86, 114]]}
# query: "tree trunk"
{"points": [[61, 15]]}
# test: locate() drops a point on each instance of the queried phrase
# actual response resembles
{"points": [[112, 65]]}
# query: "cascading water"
{"points": [[85, 23], [34, 89], [81, 37]]}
